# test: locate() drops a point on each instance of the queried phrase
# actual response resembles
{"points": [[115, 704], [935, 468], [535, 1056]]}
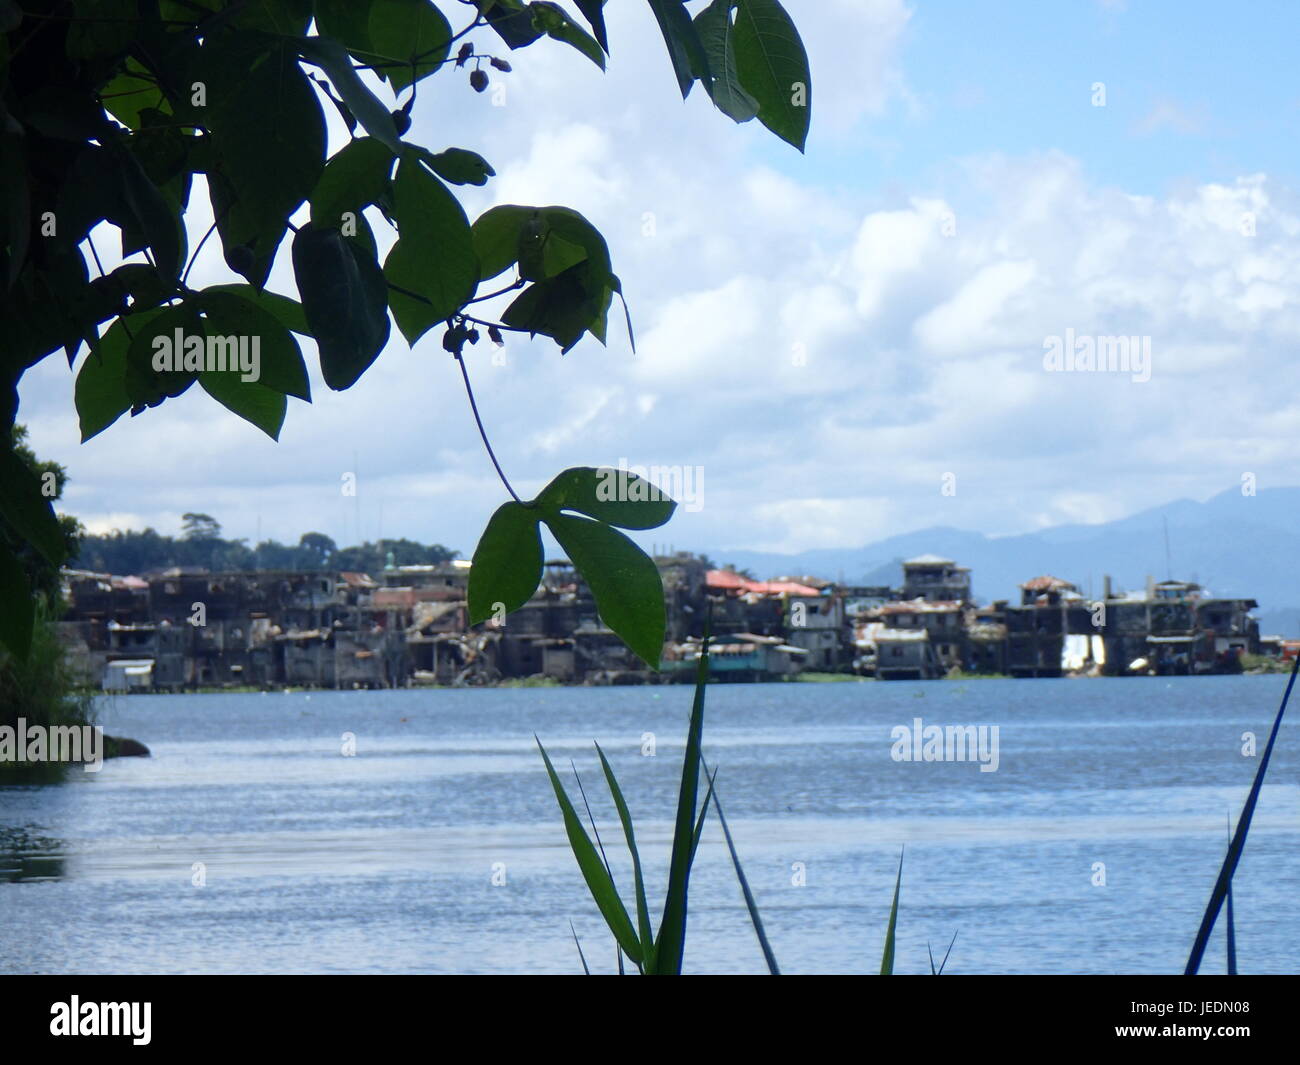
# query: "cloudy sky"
{"points": [[849, 343]]}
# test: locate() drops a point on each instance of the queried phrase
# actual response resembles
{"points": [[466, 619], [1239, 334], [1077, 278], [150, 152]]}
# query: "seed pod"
{"points": [[240, 259], [494, 335], [466, 50], [478, 80], [454, 339], [500, 64]]}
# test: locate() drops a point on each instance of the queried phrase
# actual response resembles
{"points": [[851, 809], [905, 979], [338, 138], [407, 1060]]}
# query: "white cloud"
{"points": [[1166, 114], [825, 356]]}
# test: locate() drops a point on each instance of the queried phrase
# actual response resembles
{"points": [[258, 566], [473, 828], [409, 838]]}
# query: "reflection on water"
{"points": [[26, 854], [249, 843]]}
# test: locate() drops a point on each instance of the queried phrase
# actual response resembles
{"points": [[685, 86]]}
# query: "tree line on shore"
{"points": [[201, 545]]}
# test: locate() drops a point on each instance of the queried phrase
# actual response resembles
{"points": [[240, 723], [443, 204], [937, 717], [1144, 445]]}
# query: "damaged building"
{"points": [[186, 630]]}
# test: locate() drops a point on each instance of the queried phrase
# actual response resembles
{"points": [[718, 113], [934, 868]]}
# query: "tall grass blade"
{"points": [[887, 961], [933, 970], [671, 940], [642, 909], [581, 957], [1232, 938], [1224, 883], [593, 870], [946, 953], [591, 819], [772, 968], [600, 846], [1232, 924], [704, 809]]}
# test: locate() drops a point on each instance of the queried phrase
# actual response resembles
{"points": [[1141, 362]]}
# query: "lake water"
{"points": [[386, 861]]}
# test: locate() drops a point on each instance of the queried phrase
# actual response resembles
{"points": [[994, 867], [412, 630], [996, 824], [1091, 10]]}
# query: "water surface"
{"points": [[438, 847]]}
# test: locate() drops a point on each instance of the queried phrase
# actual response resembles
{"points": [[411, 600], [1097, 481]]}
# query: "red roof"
{"points": [[727, 580]]}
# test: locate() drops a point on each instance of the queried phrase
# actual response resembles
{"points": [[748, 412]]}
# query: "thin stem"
{"points": [[494, 325], [499, 292], [469, 391], [389, 64], [95, 255], [194, 258]]}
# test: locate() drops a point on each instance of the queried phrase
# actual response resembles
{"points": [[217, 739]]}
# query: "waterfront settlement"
{"points": [[184, 629]]}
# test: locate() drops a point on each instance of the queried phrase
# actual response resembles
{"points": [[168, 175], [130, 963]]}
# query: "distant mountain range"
{"points": [[1231, 544]]}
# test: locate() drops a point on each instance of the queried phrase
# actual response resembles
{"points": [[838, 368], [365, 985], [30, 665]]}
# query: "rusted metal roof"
{"points": [[1045, 584], [727, 580]]}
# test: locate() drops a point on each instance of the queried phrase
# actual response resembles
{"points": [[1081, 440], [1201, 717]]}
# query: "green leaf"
{"points": [[671, 942], [684, 47], [358, 175], [564, 307], [433, 262], [288, 17], [593, 870], [413, 33], [19, 613], [642, 909], [251, 400], [567, 256], [101, 395], [333, 58], [557, 24], [345, 300], [773, 68], [101, 28], [132, 91], [496, 238], [155, 217], [268, 145], [507, 564], [287, 312], [512, 21], [614, 496], [233, 314], [594, 12], [346, 21], [715, 29], [623, 579], [573, 228], [887, 959], [147, 386], [27, 509], [458, 166]]}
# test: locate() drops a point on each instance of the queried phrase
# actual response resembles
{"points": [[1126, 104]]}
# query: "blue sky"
{"points": [[1193, 90], [849, 344]]}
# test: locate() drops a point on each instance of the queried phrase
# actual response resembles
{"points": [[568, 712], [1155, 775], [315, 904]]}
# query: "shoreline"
{"points": [[551, 683]]}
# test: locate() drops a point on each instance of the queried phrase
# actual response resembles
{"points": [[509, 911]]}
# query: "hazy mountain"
{"points": [[1231, 544]]}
